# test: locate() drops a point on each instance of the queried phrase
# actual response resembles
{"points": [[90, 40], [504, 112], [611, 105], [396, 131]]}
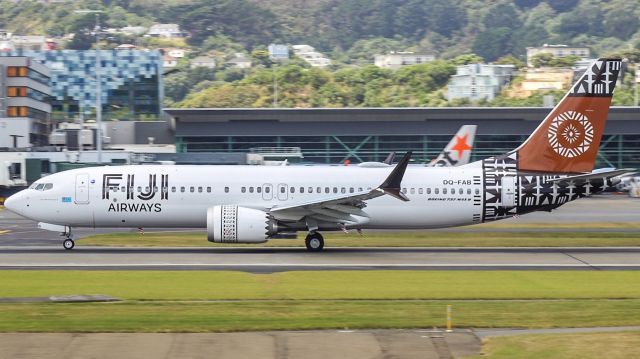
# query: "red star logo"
{"points": [[461, 145]]}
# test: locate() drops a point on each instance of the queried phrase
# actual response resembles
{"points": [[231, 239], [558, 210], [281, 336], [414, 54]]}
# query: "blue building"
{"points": [[479, 81], [131, 82]]}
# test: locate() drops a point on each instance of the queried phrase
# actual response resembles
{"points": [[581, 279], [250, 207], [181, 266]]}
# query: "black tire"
{"points": [[314, 242], [68, 244]]}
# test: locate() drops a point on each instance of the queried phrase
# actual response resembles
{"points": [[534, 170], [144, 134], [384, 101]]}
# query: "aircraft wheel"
{"points": [[68, 244], [314, 242]]}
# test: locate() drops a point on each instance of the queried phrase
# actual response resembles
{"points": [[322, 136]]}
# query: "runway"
{"points": [[267, 260], [24, 246]]}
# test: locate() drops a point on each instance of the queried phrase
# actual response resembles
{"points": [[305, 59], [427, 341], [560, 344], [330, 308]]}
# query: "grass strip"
{"points": [[621, 345], [325, 285], [387, 239], [301, 315]]}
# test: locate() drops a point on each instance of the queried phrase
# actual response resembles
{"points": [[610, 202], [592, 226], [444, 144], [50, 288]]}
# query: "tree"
{"points": [[620, 23], [510, 60], [546, 59], [562, 5], [502, 15], [466, 59], [493, 43]]}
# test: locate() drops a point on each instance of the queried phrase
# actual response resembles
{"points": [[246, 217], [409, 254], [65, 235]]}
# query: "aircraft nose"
{"points": [[10, 203]]}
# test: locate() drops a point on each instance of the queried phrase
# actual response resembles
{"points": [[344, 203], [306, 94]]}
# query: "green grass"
{"points": [[387, 239], [621, 345], [200, 301], [298, 315], [313, 285]]}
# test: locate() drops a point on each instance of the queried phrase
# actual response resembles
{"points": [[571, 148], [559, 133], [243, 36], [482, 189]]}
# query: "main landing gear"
{"points": [[314, 242], [68, 243]]}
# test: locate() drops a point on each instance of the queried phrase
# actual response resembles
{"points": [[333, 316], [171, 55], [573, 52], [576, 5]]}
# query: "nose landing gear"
{"points": [[314, 242]]}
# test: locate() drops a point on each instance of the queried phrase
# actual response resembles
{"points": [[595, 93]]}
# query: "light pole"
{"points": [[98, 82]]}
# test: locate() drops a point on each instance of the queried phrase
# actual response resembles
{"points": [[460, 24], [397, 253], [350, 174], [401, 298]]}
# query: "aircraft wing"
{"points": [[343, 208], [608, 173]]}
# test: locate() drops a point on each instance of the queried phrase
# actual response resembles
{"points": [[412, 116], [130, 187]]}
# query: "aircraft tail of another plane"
{"points": [[458, 151], [568, 139]]}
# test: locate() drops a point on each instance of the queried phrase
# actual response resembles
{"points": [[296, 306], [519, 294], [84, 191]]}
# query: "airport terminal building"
{"points": [[332, 136]]}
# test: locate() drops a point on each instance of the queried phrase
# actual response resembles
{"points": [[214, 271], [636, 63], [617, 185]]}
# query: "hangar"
{"points": [[328, 135]]}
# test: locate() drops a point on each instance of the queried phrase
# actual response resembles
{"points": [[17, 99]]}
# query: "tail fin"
{"points": [[568, 139], [458, 151]]}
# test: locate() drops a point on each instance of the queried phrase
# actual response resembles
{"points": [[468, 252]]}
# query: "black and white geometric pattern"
{"points": [[598, 80]]}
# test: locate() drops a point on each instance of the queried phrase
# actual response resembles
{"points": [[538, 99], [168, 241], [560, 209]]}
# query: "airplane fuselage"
{"points": [[179, 196]]}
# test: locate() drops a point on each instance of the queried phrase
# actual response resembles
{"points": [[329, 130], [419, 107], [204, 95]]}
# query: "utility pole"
{"points": [[98, 83], [275, 84], [635, 85]]}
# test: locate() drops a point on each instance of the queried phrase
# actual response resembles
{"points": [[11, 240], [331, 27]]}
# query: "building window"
{"points": [[17, 71], [13, 91], [17, 111]]}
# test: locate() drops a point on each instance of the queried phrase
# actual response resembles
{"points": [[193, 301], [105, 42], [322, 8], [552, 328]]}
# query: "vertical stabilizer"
{"points": [[568, 139], [458, 151]]}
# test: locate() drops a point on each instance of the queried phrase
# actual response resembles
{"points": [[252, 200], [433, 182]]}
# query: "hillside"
{"points": [[349, 32]]}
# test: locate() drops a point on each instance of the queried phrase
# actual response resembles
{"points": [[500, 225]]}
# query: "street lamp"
{"points": [[98, 82]]}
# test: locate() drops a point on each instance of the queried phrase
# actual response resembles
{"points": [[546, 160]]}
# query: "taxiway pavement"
{"points": [[267, 260]]}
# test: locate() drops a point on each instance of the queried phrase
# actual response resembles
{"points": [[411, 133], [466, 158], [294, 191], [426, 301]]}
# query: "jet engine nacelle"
{"points": [[233, 224]]}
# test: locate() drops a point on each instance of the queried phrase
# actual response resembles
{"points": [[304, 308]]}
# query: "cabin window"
{"points": [[40, 186], [428, 190], [139, 189], [404, 190], [444, 191], [267, 190], [292, 189], [243, 189], [173, 189], [226, 190], [250, 189], [419, 190], [192, 189], [155, 189], [208, 189], [453, 191], [343, 190], [182, 189], [351, 189], [413, 190], [327, 190], [318, 190], [310, 190], [477, 191], [436, 191], [301, 189], [259, 189], [335, 189], [199, 189], [359, 189], [48, 186], [468, 190], [282, 189], [461, 191]]}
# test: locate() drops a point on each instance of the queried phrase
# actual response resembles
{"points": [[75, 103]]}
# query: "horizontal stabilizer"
{"points": [[595, 175]]}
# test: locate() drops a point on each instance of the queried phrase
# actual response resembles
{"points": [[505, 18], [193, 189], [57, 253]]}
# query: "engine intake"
{"points": [[234, 224]]}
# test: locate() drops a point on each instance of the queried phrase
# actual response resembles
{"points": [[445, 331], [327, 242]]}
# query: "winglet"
{"points": [[392, 184], [390, 158]]}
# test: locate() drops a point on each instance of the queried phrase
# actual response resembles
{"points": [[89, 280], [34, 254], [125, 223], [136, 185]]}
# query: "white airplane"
{"points": [[251, 204], [458, 150], [456, 153]]}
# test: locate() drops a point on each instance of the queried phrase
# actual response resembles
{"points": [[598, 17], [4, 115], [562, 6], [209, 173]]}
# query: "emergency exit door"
{"points": [[509, 184]]}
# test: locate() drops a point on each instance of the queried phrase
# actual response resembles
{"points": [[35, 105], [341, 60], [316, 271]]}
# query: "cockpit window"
{"points": [[42, 186]]}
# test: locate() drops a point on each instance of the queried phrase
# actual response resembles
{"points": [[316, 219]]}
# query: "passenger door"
{"points": [[82, 188]]}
